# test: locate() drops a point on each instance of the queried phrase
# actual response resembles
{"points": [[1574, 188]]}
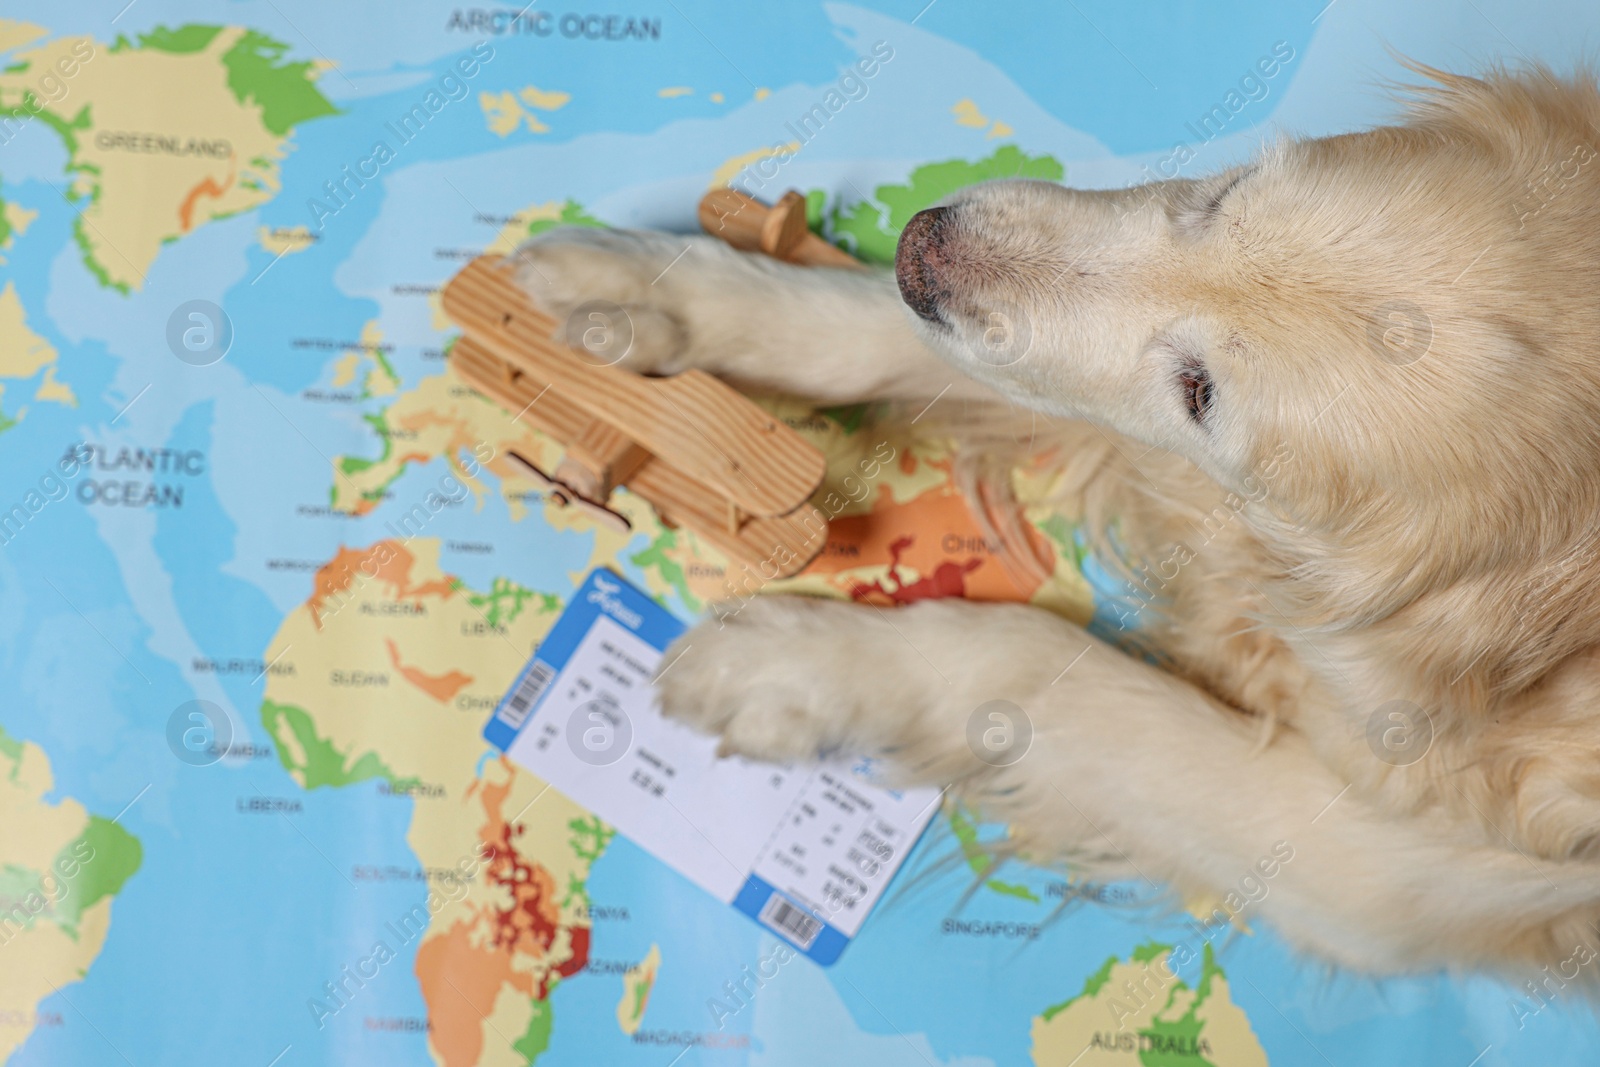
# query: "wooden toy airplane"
{"points": [[703, 455]]}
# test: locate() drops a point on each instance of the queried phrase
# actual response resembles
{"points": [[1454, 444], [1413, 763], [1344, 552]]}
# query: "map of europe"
{"points": [[267, 566]]}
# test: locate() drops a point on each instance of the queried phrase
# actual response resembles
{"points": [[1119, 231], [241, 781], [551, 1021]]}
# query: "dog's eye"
{"points": [[1195, 382]]}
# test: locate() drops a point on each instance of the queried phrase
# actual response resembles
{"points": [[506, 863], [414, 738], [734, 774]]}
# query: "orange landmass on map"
{"points": [[932, 546], [386, 562], [460, 978], [207, 188], [948, 579], [462, 970], [440, 687]]}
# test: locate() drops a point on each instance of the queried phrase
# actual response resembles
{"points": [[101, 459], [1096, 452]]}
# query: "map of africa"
{"points": [[266, 567]]}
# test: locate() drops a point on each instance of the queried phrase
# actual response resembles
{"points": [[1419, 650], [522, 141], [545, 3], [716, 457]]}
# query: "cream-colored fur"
{"points": [[1394, 494]]}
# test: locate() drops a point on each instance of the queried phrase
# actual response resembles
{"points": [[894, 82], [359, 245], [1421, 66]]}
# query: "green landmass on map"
{"points": [[315, 761], [870, 228]]}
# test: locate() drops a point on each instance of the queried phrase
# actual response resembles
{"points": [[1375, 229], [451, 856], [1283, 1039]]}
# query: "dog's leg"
{"points": [[1131, 771], [831, 335]]}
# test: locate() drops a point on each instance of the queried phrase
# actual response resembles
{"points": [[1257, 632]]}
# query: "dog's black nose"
{"points": [[918, 258]]}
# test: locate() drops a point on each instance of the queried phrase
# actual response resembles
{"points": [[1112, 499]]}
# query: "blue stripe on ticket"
{"points": [[604, 592]]}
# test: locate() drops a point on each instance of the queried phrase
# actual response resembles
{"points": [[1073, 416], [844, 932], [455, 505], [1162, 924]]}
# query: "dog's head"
{"points": [[1411, 313]]}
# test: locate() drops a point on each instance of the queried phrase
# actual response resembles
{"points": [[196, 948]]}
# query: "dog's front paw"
{"points": [[607, 290], [782, 679]]}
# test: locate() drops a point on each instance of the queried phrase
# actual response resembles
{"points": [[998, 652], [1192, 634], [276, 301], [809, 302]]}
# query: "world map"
{"points": [[266, 564]]}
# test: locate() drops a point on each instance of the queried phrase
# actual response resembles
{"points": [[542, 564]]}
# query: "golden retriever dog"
{"points": [[1337, 413]]}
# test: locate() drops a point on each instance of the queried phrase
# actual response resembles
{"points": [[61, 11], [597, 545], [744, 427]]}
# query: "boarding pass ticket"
{"points": [[806, 851]]}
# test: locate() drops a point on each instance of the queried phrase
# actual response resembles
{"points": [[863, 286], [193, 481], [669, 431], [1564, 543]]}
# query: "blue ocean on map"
{"points": [[258, 885]]}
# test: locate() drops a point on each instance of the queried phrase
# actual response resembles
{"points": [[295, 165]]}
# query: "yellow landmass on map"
{"points": [[37, 830], [672, 92], [52, 923], [344, 369], [284, 240], [504, 111], [344, 644], [543, 100], [501, 112], [968, 114], [392, 669], [159, 144], [1233, 1040], [23, 353], [18, 219], [54, 391], [637, 982], [40, 961], [731, 167], [1138, 1008], [15, 34]]}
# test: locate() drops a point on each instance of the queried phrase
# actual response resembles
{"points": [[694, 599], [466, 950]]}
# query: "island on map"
{"points": [[201, 139]]}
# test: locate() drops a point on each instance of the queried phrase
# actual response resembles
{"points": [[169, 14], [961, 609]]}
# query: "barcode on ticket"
{"points": [[789, 920], [528, 691], [807, 853]]}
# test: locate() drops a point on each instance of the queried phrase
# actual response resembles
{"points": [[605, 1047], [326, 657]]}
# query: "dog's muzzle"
{"points": [[919, 259]]}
